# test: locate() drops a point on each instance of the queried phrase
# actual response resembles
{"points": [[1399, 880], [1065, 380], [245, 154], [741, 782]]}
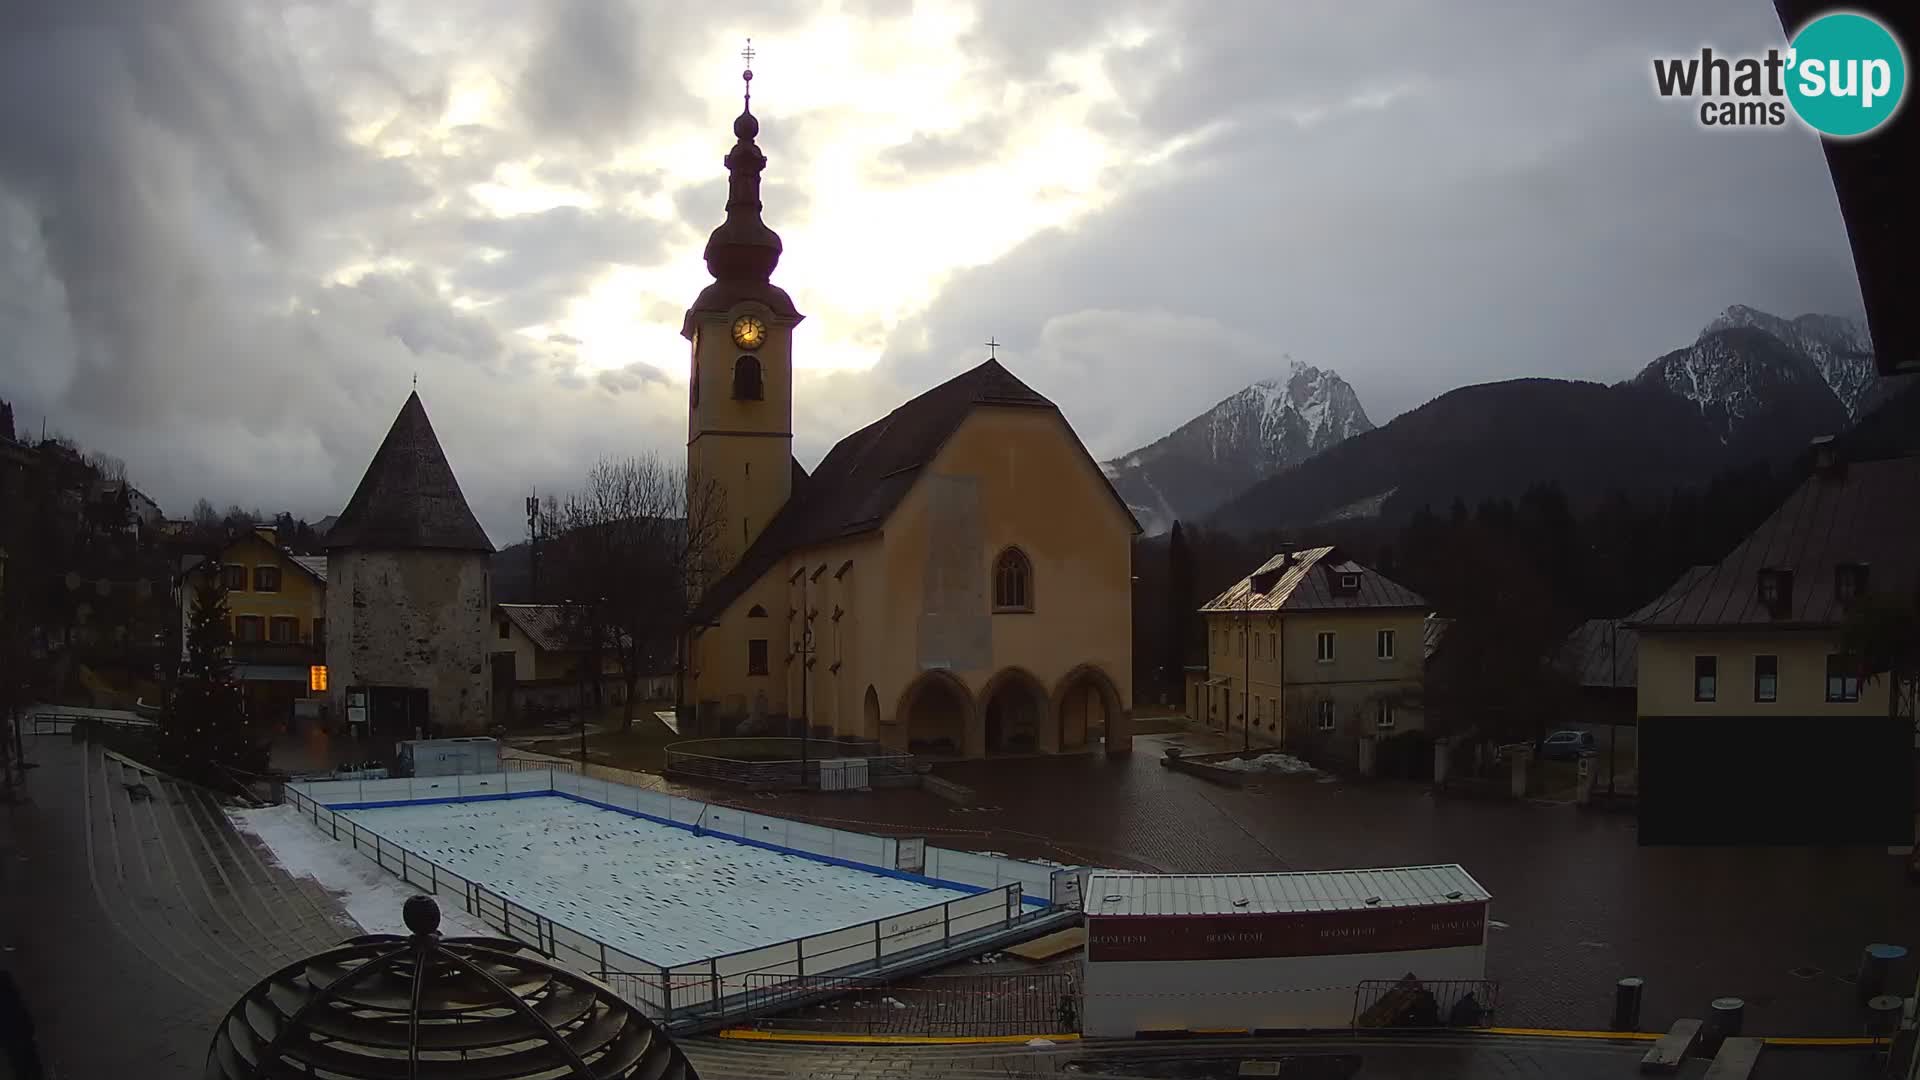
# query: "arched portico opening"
{"points": [[936, 711], [1014, 705], [1086, 704]]}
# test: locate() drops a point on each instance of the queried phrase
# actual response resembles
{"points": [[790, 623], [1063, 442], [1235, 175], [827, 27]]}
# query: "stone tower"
{"points": [[409, 595], [740, 407]]}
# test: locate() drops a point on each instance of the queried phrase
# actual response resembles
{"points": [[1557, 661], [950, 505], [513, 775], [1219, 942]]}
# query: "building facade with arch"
{"points": [[953, 579]]}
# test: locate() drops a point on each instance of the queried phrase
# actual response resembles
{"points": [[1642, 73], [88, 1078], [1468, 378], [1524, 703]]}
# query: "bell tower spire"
{"points": [[740, 394]]}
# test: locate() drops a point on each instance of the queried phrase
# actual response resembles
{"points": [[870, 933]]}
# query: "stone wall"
{"points": [[417, 619]]}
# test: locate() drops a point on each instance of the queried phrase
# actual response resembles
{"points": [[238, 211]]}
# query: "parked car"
{"points": [[1566, 745]]}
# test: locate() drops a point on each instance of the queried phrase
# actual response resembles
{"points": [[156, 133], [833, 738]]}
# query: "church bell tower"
{"points": [[740, 397]]}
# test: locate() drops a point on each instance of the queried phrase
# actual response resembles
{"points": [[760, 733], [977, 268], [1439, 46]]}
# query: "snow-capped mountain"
{"points": [[1838, 346], [1755, 375], [1269, 426]]}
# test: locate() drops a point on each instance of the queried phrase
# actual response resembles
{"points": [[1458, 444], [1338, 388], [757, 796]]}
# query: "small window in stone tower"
{"points": [[1012, 581], [757, 656], [746, 379]]}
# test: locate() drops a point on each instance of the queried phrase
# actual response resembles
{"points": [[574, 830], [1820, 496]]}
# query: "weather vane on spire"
{"points": [[746, 76]]}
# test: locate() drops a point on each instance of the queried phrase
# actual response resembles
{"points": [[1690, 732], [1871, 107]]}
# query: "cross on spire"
{"points": [[993, 348], [747, 54]]}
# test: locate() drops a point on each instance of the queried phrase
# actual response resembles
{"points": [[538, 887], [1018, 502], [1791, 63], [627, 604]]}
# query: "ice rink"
{"points": [[657, 892]]}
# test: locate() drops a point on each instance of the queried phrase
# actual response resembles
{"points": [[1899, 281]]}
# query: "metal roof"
{"points": [[408, 498], [1864, 513], [1303, 581], [1111, 893]]}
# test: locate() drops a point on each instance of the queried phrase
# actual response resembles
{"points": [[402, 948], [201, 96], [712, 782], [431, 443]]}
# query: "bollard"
{"points": [[1626, 1003], [1876, 967], [1883, 1016], [1723, 1023]]}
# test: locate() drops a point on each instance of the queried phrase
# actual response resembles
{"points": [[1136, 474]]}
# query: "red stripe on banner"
{"points": [[1301, 933]]}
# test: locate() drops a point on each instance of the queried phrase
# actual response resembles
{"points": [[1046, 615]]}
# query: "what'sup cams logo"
{"points": [[1843, 74]]}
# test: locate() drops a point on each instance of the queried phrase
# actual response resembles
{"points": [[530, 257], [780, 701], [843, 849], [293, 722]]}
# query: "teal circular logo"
{"points": [[1846, 74]]}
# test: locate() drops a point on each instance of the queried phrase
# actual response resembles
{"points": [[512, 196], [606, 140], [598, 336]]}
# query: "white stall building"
{"points": [[1208, 952]]}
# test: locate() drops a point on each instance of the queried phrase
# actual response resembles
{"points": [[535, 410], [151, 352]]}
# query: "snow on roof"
{"points": [[1113, 893]]}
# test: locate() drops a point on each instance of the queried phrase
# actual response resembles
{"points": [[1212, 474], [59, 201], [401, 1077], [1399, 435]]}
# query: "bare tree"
{"points": [[626, 556]]}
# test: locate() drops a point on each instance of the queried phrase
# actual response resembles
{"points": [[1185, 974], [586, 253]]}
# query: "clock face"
{"points": [[749, 332]]}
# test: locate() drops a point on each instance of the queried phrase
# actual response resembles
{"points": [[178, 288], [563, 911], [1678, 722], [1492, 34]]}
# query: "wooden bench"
{"points": [[1670, 1050], [1735, 1060]]}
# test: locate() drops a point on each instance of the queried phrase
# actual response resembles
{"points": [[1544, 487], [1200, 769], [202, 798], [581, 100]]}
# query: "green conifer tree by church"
{"points": [[204, 732]]}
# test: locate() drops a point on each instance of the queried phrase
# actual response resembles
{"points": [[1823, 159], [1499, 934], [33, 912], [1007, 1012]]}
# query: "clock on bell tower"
{"points": [[740, 390]]}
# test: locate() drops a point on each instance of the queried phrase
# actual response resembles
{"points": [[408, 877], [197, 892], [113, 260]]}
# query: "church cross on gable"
{"points": [[954, 578]]}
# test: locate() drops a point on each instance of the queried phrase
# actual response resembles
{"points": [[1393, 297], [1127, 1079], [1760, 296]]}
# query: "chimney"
{"points": [[1826, 457]]}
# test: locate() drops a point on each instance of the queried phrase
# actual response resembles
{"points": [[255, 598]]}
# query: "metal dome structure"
{"points": [[393, 1007]]}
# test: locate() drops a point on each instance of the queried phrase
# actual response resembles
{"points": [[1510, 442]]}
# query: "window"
{"points": [[1383, 715], [693, 387], [1849, 582], [1349, 582], [1323, 715], [266, 579], [757, 656], [283, 630], [320, 633], [746, 379], [1257, 654], [1766, 678], [234, 578], [1705, 678], [504, 630], [1273, 646], [246, 628], [1776, 591], [1012, 581], [1383, 644], [1324, 645], [756, 612], [1843, 679]]}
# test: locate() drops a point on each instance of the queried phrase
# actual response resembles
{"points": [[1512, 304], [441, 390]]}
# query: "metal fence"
{"points": [[698, 991], [63, 723], [1015, 1003], [768, 763], [1430, 1003]]}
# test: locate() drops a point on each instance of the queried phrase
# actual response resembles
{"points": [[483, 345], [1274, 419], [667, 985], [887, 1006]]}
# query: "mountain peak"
{"points": [[1269, 425], [1835, 348]]}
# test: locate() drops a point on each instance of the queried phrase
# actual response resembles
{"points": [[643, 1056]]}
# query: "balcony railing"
{"points": [[294, 653]]}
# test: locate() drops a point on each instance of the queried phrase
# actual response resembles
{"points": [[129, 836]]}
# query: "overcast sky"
{"points": [[233, 231]]}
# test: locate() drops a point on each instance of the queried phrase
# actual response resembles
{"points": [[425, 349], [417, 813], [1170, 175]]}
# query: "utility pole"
{"points": [[1613, 716], [533, 546]]}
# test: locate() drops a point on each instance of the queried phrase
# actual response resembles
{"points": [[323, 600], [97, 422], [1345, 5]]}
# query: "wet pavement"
{"points": [[130, 920], [1580, 903]]}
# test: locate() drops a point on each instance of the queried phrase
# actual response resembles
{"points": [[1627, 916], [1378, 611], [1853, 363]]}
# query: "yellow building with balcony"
{"points": [[276, 615]]}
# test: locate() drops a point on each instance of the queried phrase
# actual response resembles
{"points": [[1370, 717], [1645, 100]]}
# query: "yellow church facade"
{"points": [[954, 579]]}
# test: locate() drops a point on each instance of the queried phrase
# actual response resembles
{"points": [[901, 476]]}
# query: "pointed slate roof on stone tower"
{"points": [[409, 497]]}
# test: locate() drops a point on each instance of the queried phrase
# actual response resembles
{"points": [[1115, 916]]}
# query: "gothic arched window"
{"points": [[1012, 581], [756, 612], [746, 379]]}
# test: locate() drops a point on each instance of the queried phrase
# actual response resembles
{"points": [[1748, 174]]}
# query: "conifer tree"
{"points": [[204, 733]]}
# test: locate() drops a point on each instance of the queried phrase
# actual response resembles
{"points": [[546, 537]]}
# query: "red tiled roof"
{"points": [[1865, 512]]}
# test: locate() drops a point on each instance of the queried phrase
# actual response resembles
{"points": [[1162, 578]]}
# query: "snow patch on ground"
{"points": [[1266, 763], [371, 896]]}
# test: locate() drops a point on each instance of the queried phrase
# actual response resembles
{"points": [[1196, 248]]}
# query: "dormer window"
{"points": [[1349, 582], [1849, 582], [1776, 591], [746, 379]]}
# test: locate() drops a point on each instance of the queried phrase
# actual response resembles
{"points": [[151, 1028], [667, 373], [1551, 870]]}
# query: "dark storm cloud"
{"points": [[175, 198], [1420, 196]]}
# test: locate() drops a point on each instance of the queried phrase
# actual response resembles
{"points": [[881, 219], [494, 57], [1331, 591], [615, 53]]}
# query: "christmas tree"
{"points": [[204, 733]]}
